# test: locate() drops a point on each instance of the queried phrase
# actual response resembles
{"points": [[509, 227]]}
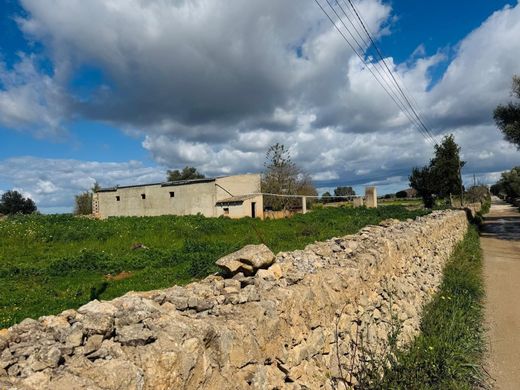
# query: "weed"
{"points": [[51, 263]]}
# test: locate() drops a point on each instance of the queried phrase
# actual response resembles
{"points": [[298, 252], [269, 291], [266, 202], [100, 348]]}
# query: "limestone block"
{"points": [[371, 197], [247, 260]]}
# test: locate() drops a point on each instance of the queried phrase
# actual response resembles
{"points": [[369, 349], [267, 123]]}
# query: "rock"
{"points": [[97, 307], [93, 344], [75, 338], [45, 358], [97, 317], [276, 270], [266, 274], [290, 326], [134, 335], [247, 260]]}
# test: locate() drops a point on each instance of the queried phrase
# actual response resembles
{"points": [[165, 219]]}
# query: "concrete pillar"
{"points": [[358, 202], [371, 197], [304, 204]]}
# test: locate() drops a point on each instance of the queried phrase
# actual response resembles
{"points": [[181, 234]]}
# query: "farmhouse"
{"points": [[232, 196]]}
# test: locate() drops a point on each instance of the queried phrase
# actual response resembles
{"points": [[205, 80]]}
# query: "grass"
{"points": [[52, 263], [449, 351]]}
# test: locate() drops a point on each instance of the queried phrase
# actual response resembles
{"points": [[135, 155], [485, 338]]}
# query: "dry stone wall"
{"points": [[295, 325]]}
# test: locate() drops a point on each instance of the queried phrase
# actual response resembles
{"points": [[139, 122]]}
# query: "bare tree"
{"points": [[282, 176]]}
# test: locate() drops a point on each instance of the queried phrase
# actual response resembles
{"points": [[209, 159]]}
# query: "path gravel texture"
{"points": [[501, 246]]}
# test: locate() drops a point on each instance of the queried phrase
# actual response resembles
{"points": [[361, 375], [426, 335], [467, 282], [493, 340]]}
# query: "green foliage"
{"points": [[12, 202], [441, 177], [54, 262], [509, 184], [401, 194], [187, 173], [344, 191], [448, 352], [507, 117], [422, 180]]}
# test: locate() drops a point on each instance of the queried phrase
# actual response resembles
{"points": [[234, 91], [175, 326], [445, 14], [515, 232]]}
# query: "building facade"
{"points": [[231, 196]]}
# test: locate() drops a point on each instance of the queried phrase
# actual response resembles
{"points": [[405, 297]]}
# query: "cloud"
{"points": [[30, 100], [213, 86], [52, 183]]}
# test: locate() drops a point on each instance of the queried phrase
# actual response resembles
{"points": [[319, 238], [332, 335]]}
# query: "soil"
{"points": [[501, 247]]}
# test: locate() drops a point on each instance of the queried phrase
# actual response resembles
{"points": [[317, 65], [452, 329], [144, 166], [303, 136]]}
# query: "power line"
{"points": [[383, 59], [390, 92], [405, 106]]}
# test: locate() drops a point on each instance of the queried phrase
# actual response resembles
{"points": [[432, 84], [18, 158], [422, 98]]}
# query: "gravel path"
{"points": [[501, 246]]}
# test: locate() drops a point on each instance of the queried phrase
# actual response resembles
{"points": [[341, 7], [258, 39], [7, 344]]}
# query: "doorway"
{"points": [[253, 209]]}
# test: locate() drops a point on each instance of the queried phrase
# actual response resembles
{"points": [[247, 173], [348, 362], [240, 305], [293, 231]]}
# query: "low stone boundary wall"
{"points": [[294, 326]]}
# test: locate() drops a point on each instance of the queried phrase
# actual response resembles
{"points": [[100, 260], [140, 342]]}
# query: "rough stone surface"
{"points": [[284, 327], [247, 260]]}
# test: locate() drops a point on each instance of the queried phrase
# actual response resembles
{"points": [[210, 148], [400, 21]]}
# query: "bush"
{"points": [[401, 194]]}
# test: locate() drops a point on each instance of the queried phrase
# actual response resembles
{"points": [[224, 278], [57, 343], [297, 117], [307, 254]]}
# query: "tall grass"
{"points": [[51, 263], [448, 352]]}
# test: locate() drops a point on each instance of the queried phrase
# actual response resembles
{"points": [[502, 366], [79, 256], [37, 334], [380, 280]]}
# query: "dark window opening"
{"points": [[226, 210], [118, 198], [143, 196], [253, 209], [172, 194]]}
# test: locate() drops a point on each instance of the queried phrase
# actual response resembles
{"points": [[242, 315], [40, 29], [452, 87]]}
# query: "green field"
{"points": [[52, 263]]}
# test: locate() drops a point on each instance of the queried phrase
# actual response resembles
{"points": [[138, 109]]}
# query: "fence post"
{"points": [[304, 204]]}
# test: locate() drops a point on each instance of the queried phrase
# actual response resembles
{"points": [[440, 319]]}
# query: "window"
{"points": [[226, 210], [118, 198], [143, 196], [172, 194]]}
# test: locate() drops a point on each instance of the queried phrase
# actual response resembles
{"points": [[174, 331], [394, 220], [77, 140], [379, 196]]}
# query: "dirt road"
{"points": [[501, 245]]}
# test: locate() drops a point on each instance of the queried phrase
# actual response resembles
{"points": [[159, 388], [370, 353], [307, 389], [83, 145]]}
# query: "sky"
{"points": [[119, 91]]}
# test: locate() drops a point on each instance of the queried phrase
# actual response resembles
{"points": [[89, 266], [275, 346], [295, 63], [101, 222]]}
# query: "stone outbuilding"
{"points": [[232, 196]]}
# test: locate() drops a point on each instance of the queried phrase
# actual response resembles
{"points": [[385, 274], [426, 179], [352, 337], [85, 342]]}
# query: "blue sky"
{"points": [[119, 94]]}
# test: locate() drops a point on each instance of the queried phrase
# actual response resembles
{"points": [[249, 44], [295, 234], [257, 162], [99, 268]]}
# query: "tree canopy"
{"points": [[12, 202], [282, 176], [344, 191], [507, 117], [442, 177], [187, 173], [509, 184]]}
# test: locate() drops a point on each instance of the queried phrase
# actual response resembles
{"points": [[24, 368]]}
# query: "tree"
{"points": [[401, 194], [187, 173], [497, 189], [282, 176], [12, 202], [344, 191], [326, 197], [509, 184], [507, 117], [442, 177], [83, 201], [422, 181], [446, 167]]}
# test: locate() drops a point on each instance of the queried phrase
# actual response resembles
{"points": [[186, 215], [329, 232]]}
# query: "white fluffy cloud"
{"points": [[213, 85], [52, 183]]}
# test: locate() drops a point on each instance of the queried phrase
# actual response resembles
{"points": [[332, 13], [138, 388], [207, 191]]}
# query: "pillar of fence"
{"points": [[371, 197], [358, 201], [304, 204]]}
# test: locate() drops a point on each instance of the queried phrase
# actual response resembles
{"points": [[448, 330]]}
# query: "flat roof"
{"points": [[236, 199], [162, 184]]}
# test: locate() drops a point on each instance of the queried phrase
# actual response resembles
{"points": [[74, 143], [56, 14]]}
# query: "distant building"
{"points": [[232, 196]]}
